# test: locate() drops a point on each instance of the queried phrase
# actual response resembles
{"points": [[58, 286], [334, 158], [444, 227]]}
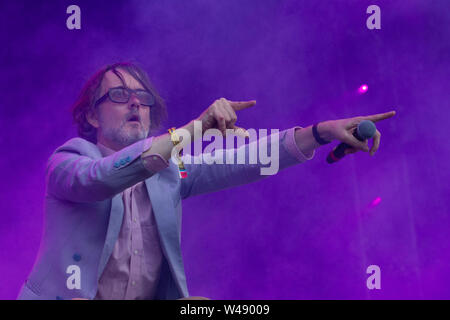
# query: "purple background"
{"points": [[308, 232]]}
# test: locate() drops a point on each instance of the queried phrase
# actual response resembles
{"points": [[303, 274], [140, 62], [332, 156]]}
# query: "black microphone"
{"points": [[365, 130]]}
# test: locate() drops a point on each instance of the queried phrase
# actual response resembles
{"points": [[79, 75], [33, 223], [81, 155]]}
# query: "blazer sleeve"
{"points": [[204, 178], [76, 171]]}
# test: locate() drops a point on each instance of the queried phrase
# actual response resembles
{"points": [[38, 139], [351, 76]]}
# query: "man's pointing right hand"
{"points": [[222, 115]]}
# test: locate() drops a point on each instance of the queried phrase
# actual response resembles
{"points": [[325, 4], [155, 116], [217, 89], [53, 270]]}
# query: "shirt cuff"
{"points": [[153, 162], [293, 149]]}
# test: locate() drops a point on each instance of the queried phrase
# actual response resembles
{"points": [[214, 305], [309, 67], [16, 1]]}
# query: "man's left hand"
{"points": [[342, 130]]}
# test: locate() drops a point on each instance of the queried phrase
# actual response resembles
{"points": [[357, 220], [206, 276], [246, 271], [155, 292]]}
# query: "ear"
{"points": [[92, 118]]}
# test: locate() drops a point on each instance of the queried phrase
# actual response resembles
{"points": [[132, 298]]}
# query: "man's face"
{"points": [[120, 124]]}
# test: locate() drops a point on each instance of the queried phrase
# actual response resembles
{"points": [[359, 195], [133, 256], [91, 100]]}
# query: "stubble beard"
{"points": [[124, 136]]}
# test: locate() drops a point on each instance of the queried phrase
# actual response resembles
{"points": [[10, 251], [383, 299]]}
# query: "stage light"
{"points": [[375, 202], [363, 88]]}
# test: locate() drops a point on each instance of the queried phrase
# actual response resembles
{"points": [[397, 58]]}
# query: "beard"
{"points": [[124, 135]]}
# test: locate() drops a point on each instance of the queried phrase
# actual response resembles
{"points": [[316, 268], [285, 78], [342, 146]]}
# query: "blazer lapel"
{"points": [[167, 227], [115, 223], [165, 222]]}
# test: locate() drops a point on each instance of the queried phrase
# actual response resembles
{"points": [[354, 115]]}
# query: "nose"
{"points": [[134, 101]]}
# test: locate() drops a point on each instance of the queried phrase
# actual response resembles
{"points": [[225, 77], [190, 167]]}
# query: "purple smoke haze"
{"points": [[309, 232]]}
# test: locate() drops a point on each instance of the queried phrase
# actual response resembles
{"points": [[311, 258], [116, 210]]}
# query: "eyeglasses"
{"points": [[123, 95]]}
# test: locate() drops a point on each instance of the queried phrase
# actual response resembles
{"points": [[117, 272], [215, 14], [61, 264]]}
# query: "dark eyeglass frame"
{"points": [[109, 95]]}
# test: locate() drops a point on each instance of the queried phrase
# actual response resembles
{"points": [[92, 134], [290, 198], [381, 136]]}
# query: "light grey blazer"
{"points": [[84, 211]]}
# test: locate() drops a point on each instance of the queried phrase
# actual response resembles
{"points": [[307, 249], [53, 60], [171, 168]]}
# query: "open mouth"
{"points": [[134, 118]]}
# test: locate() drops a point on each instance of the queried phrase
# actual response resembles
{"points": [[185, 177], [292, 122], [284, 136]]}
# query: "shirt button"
{"points": [[135, 252], [134, 219], [133, 283]]}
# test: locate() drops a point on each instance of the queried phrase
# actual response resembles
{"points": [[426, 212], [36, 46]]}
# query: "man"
{"points": [[113, 196]]}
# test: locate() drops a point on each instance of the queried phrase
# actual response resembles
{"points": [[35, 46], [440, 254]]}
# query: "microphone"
{"points": [[365, 130]]}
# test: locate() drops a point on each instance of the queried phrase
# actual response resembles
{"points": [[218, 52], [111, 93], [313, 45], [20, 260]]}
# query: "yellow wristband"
{"points": [[174, 137], [176, 140]]}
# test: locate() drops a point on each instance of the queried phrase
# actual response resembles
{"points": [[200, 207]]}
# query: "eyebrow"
{"points": [[124, 87], [118, 75]]}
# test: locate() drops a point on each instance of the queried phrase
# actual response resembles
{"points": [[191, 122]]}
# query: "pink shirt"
{"points": [[133, 269]]}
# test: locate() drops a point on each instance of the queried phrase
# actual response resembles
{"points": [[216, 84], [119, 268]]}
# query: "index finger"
{"points": [[240, 105], [380, 116]]}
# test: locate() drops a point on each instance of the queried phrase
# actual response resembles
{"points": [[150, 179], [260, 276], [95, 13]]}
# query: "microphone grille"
{"points": [[366, 129]]}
